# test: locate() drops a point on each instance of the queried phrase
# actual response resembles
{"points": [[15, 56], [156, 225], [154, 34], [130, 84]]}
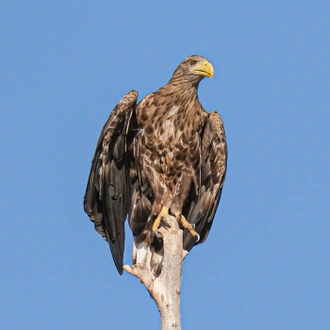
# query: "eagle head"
{"points": [[193, 68]]}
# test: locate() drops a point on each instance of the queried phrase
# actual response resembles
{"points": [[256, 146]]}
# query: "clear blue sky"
{"points": [[65, 64]]}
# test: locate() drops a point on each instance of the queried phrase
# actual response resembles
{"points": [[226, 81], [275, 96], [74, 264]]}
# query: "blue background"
{"points": [[65, 64]]}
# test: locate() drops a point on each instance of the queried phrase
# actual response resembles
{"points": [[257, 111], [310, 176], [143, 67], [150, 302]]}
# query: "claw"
{"points": [[185, 224], [162, 214], [157, 234], [165, 222]]}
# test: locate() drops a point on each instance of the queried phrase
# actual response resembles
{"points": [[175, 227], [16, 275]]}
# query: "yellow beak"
{"points": [[204, 68]]}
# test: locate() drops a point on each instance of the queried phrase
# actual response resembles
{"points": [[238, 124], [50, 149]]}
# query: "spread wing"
{"points": [[107, 198], [213, 172]]}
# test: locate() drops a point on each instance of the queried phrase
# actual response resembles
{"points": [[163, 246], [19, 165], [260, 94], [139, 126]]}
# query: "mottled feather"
{"points": [[107, 198], [213, 171]]}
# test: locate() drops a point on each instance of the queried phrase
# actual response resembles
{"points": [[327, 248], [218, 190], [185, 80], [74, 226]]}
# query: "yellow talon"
{"points": [[186, 225], [162, 213]]}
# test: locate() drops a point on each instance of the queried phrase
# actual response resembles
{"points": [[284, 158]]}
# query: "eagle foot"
{"points": [[186, 225], [160, 218]]}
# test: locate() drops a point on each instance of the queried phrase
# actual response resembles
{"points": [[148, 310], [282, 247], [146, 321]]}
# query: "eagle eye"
{"points": [[192, 62]]}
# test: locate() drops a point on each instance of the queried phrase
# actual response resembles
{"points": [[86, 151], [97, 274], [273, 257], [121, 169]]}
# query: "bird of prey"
{"points": [[162, 156]]}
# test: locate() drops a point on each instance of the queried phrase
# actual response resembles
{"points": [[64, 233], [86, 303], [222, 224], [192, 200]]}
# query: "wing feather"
{"points": [[107, 198], [213, 171]]}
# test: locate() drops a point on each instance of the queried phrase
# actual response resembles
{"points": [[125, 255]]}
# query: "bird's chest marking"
{"points": [[167, 136], [174, 110]]}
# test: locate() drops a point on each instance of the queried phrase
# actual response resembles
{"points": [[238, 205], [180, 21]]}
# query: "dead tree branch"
{"points": [[165, 289]]}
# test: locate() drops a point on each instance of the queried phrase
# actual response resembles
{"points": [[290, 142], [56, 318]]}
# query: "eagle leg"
{"points": [[186, 225], [158, 220]]}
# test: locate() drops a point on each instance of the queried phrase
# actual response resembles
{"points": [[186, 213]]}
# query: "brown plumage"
{"points": [[165, 155]]}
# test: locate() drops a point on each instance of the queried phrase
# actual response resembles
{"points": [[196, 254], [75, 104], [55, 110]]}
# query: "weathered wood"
{"points": [[165, 289]]}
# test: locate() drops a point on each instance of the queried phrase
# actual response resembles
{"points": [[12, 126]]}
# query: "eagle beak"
{"points": [[204, 68]]}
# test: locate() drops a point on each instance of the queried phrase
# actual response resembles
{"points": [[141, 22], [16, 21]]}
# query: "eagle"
{"points": [[164, 155]]}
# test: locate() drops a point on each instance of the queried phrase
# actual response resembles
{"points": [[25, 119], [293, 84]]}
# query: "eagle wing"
{"points": [[107, 198], [212, 175]]}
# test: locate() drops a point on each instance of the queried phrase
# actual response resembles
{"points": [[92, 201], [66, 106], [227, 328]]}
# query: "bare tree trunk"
{"points": [[165, 289]]}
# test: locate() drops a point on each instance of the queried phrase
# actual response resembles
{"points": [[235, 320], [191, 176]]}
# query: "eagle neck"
{"points": [[184, 88]]}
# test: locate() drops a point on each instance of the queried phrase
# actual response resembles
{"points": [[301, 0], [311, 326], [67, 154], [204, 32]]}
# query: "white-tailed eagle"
{"points": [[164, 155]]}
